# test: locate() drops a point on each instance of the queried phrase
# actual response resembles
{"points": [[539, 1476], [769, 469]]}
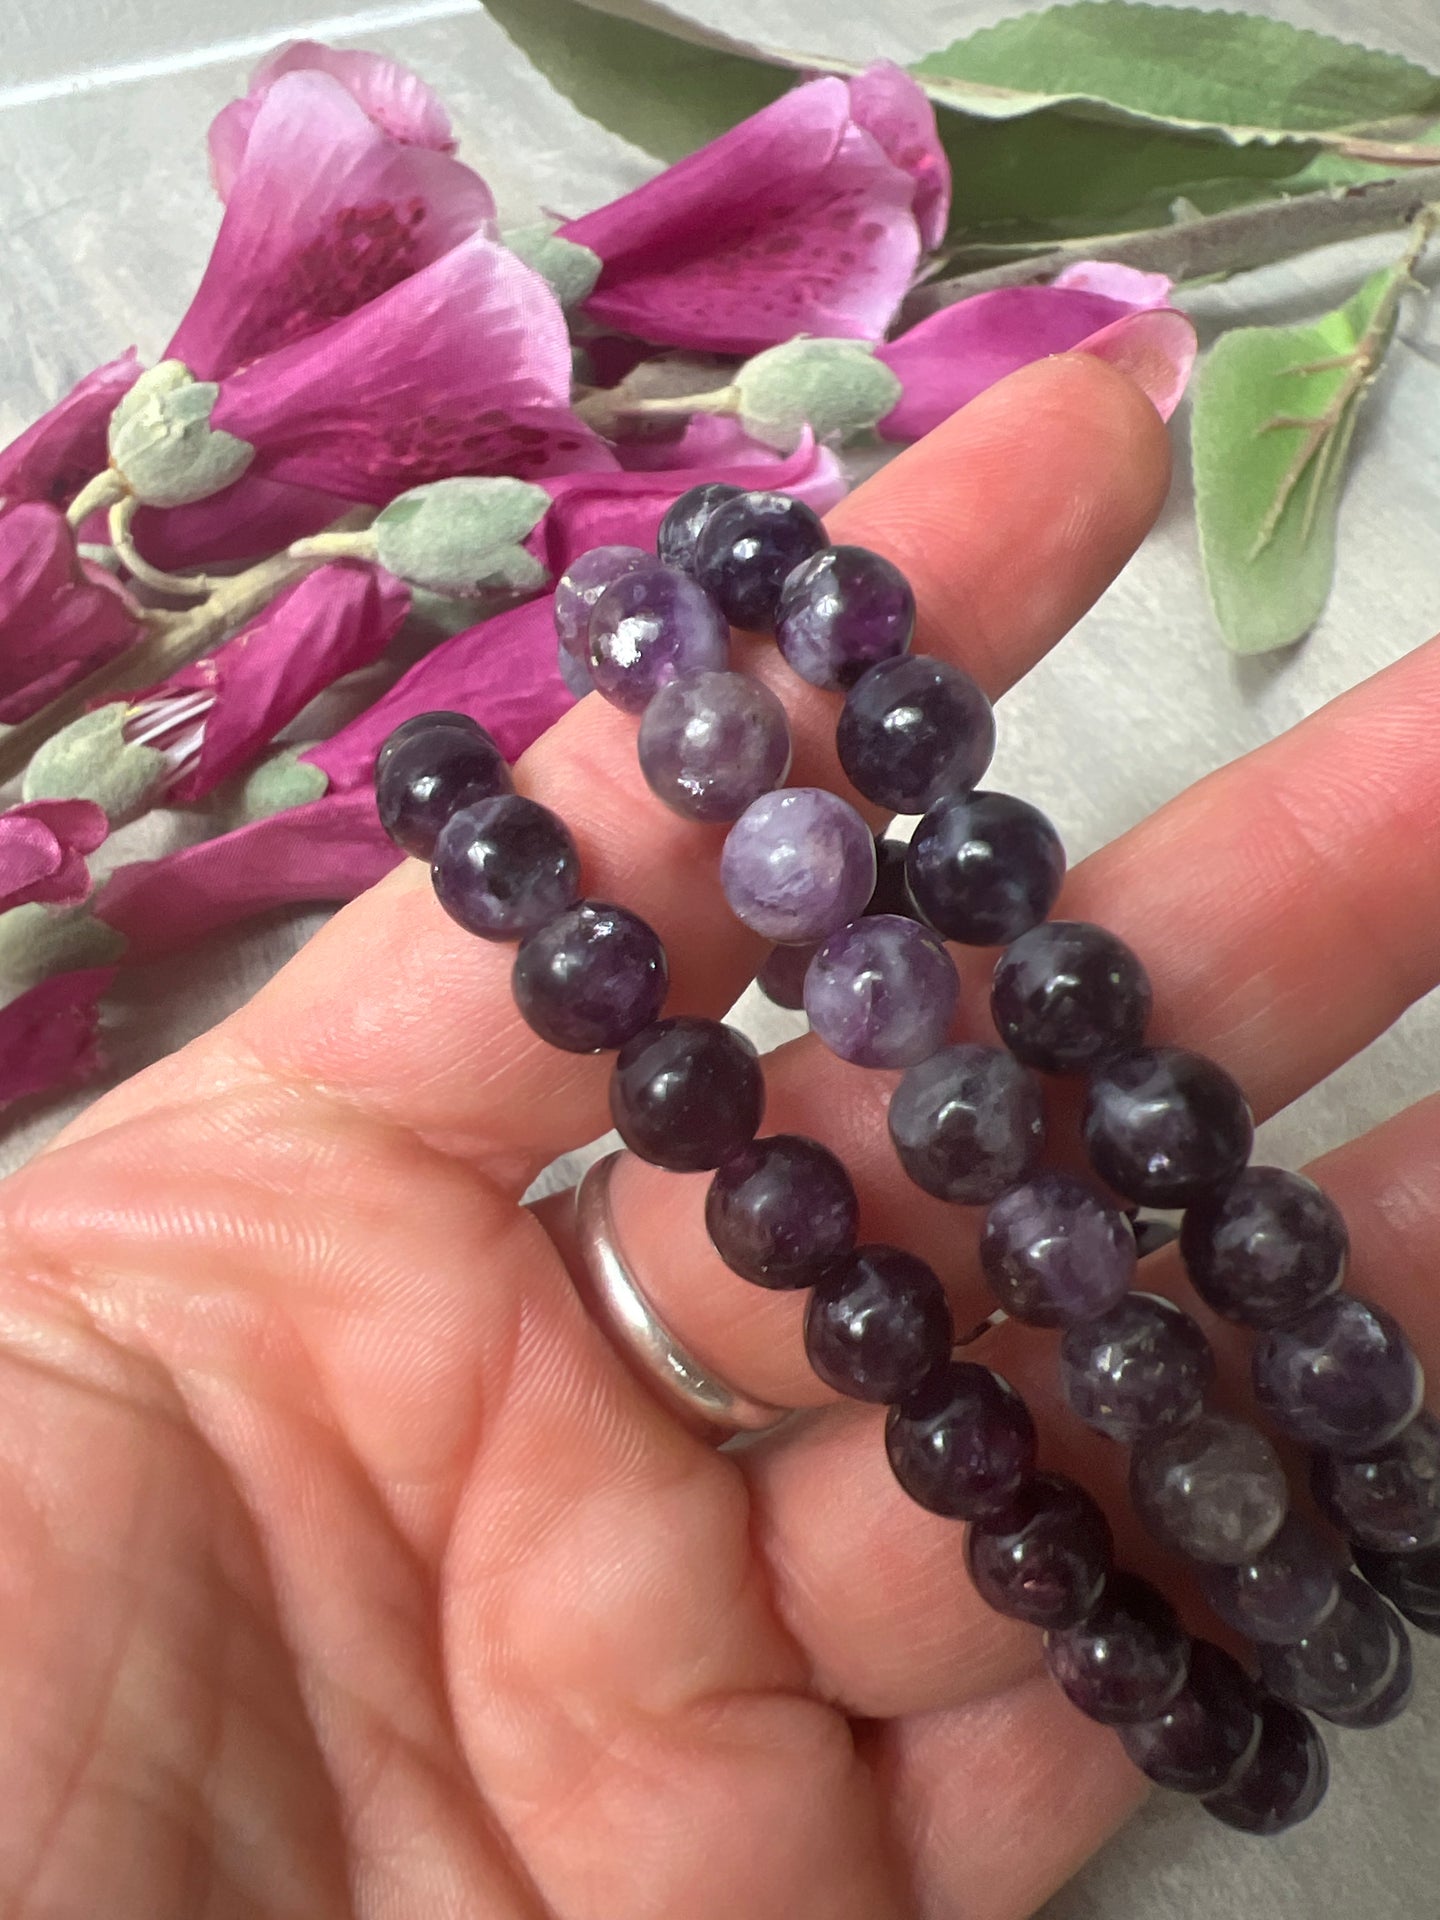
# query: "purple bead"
{"points": [[575, 673], [1164, 1127], [882, 991], [1045, 1556], [684, 519], [1212, 1489], [841, 611], [1055, 1249], [798, 864], [1343, 1377], [782, 976], [967, 1123], [891, 894], [1143, 1366], [1346, 1663], [1210, 1732], [1388, 1500], [962, 1443], [1266, 1249], [687, 1093], [504, 867], [1392, 1699], [646, 629], [428, 769], [913, 731], [779, 1209], [710, 743], [748, 548], [985, 867], [877, 1323], [1283, 1784], [1127, 1660], [591, 978], [1289, 1587], [581, 585], [422, 723], [1409, 1581], [1066, 994]]}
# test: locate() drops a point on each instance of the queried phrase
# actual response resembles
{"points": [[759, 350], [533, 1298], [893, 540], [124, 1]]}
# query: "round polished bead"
{"points": [[1127, 1660], [1045, 1556], [591, 978], [748, 548], [422, 723], [684, 519], [782, 976], [1066, 994], [581, 585], [967, 1123], [962, 1443], [687, 1093], [1287, 1589], [877, 1323], [882, 992], [779, 1209], [574, 672], [1055, 1249], [912, 731], [1343, 1377], [1388, 1500], [712, 742], [1346, 1663], [1210, 1732], [1391, 1701], [1283, 1784], [1164, 1127], [1143, 1366], [1409, 1581], [504, 867], [1266, 1248], [798, 864], [427, 772], [646, 629], [1213, 1489], [841, 611], [985, 867], [891, 895]]}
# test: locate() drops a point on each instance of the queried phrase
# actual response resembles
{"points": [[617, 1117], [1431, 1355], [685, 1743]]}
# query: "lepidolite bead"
{"points": [[962, 1443], [967, 1123], [1284, 1592], [747, 549], [913, 730], [1391, 1701], [841, 611], [687, 1093], [985, 867], [428, 769], [1143, 1366], [581, 585], [1284, 1782], [1209, 1733], [1213, 1489], [1054, 1249], [711, 742], [591, 978], [798, 864], [1409, 1581], [1164, 1127], [574, 672], [684, 520], [881, 992], [1345, 1664], [1343, 1377], [877, 1323], [1127, 1660], [1043, 1557], [646, 629], [422, 723], [1389, 1500], [779, 1209], [1266, 1248], [504, 867], [1066, 994]]}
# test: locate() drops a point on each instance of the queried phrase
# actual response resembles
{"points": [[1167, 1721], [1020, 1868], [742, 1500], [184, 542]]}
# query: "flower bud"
{"points": [[162, 443], [36, 942], [569, 269], [835, 387], [278, 783], [91, 759], [462, 537]]}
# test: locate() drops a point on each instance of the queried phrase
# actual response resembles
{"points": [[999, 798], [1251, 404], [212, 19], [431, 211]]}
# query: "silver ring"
{"points": [[621, 1306]]}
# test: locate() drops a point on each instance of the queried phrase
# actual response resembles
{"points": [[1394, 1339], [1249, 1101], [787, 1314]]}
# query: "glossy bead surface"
{"points": [[967, 1123], [1388, 1500], [1056, 1249], [1409, 1581], [1343, 1377], [914, 730], [581, 585], [1045, 1556], [591, 978], [422, 723], [779, 1209], [985, 867], [1066, 994], [1127, 1660], [430, 773], [712, 742], [684, 519], [1391, 1701], [1266, 1248], [1346, 1663], [841, 611], [504, 867], [1164, 1126], [877, 1323], [881, 992], [798, 864], [747, 549], [961, 1444], [574, 672], [1209, 1733], [646, 629], [1143, 1366], [1287, 1589], [782, 976], [1212, 1489], [687, 1093], [1284, 1783]]}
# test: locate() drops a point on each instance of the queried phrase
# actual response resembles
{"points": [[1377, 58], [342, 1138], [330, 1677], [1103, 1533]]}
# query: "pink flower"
{"points": [[397, 100], [52, 460], [42, 852], [59, 616], [888, 104], [249, 520], [1126, 284], [796, 221], [325, 212], [50, 1036]]}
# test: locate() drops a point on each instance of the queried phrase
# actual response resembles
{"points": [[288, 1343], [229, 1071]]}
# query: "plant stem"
{"points": [[359, 545], [188, 586], [95, 496]]}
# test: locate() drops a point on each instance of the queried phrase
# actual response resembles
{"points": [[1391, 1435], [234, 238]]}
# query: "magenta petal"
{"points": [[325, 213], [893, 107], [247, 521], [1156, 349], [1129, 284], [67, 446], [43, 845], [58, 618], [49, 1037]]}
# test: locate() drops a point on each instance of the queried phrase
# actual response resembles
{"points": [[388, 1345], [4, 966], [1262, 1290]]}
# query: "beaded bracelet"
{"points": [[1163, 1127]]}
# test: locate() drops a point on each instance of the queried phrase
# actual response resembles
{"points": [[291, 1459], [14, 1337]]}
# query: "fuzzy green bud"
{"points": [[92, 760], [461, 538], [570, 270], [835, 387], [163, 445]]}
